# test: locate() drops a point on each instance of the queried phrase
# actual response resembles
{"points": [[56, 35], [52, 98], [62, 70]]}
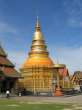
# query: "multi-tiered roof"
{"points": [[7, 68]]}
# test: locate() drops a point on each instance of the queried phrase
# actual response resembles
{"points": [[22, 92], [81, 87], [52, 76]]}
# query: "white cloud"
{"points": [[74, 22], [5, 27], [17, 58], [73, 9], [72, 57]]}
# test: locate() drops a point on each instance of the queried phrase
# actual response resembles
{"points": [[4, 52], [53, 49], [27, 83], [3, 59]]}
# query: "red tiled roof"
{"points": [[10, 72], [63, 72], [6, 66], [77, 75], [5, 61]]}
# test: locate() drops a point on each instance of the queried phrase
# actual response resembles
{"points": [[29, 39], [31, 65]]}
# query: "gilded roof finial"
{"points": [[37, 27]]}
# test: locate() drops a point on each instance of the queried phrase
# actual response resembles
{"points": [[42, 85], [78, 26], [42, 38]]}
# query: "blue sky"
{"points": [[61, 23]]}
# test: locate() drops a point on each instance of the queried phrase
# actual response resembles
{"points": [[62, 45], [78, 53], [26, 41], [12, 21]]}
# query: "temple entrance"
{"points": [[7, 84]]}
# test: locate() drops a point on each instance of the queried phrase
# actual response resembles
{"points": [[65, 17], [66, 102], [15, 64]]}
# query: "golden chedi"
{"points": [[36, 72]]}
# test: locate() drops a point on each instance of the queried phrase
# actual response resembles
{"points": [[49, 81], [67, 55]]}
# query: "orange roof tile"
{"points": [[9, 72], [5, 61], [63, 72]]}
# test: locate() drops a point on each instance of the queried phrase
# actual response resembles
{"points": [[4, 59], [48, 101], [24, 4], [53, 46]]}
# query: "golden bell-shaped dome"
{"points": [[38, 54], [38, 61]]}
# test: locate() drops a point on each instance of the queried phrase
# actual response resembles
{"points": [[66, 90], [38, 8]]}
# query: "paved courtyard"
{"points": [[40, 99], [75, 101]]}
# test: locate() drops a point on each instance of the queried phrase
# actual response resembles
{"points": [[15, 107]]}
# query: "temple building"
{"points": [[8, 73], [77, 78], [64, 77], [38, 71], [61, 73]]}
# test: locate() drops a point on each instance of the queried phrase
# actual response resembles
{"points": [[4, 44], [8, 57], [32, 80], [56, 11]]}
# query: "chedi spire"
{"points": [[35, 70], [38, 54], [37, 27]]}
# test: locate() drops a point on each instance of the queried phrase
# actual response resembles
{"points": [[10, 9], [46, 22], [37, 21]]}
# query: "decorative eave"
{"points": [[9, 72], [5, 62]]}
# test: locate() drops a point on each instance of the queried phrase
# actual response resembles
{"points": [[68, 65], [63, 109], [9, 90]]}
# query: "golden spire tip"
{"points": [[37, 27]]}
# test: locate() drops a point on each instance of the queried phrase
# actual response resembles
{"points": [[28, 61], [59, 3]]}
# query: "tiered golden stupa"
{"points": [[36, 69]]}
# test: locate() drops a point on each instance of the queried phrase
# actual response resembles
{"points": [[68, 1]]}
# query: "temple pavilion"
{"points": [[77, 78], [8, 74], [39, 71]]}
